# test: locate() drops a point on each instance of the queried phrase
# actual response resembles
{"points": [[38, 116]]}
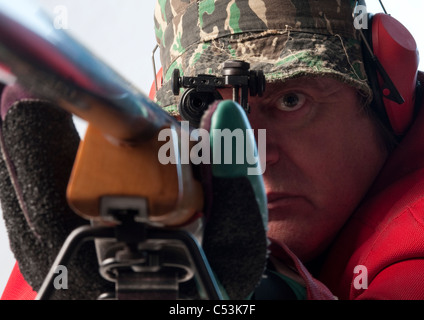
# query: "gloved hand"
{"points": [[235, 240], [38, 144]]}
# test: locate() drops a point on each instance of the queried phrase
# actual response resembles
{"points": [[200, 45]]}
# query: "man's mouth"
{"points": [[279, 200]]}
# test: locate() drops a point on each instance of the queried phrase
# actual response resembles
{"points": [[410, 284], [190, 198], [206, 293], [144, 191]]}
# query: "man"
{"points": [[339, 197], [344, 204]]}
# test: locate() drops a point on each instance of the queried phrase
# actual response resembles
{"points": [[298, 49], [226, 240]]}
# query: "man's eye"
{"points": [[292, 101]]}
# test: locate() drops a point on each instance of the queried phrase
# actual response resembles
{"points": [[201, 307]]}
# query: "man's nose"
{"points": [[271, 145], [272, 154]]}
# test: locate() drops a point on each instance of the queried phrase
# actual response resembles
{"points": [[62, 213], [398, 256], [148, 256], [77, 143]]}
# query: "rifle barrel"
{"points": [[53, 65]]}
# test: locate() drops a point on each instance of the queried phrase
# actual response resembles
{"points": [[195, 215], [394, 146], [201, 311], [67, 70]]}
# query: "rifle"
{"points": [[129, 193], [117, 181]]}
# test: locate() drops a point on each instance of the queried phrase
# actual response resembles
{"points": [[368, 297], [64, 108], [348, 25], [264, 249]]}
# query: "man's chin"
{"points": [[300, 242]]}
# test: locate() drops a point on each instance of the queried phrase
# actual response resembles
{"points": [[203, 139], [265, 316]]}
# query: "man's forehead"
{"points": [[319, 83]]}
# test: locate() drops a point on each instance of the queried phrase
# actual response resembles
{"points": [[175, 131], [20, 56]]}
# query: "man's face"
{"points": [[322, 154]]}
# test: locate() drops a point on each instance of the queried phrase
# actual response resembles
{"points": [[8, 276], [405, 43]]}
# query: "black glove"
{"points": [[235, 240], [38, 144]]}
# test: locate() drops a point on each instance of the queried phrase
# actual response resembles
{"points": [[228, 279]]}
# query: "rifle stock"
{"points": [[119, 153]]}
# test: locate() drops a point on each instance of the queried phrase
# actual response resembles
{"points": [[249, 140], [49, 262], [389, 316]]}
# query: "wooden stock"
{"points": [[104, 168]]}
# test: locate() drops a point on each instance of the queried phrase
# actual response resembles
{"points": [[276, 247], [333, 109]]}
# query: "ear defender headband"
{"points": [[391, 61]]}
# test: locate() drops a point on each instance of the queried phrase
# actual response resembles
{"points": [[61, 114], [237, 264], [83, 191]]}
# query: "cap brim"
{"points": [[280, 55]]}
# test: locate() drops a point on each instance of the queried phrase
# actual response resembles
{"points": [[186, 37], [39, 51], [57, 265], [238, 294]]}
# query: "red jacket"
{"points": [[17, 288], [380, 252]]}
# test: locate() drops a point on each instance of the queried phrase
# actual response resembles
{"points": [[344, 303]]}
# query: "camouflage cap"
{"points": [[284, 38]]}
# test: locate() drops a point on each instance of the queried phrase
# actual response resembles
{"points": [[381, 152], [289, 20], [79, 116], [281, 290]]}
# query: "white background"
{"points": [[121, 32]]}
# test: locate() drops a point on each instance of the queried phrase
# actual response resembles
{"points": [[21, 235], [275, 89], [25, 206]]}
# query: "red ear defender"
{"points": [[397, 52]]}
